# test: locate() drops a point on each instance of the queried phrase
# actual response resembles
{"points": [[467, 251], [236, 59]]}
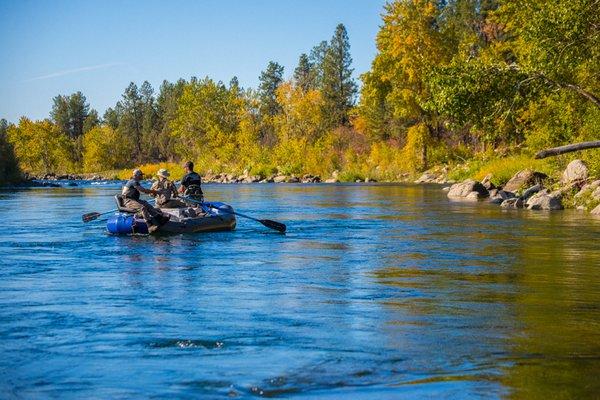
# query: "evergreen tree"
{"points": [[339, 88], [131, 121], [304, 74], [316, 58], [69, 114], [150, 123], [9, 168], [91, 121], [270, 79]]}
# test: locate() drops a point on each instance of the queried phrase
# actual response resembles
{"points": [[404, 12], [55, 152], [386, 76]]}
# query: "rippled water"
{"points": [[376, 291]]}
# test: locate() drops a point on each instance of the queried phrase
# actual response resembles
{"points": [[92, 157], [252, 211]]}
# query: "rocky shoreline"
{"points": [[534, 190], [527, 189]]}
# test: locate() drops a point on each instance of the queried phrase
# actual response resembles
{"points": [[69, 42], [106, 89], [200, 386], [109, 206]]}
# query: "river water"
{"points": [[376, 291]]}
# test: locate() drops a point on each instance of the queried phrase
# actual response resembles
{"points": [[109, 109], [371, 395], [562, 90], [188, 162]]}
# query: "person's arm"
{"points": [[153, 187], [173, 189], [142, 189]]}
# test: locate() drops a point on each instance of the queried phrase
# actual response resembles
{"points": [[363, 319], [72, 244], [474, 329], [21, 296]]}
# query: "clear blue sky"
{"points": [[98, 47]]}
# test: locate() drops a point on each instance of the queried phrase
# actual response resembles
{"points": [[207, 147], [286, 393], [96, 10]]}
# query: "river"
{"points": [[376, 291]]}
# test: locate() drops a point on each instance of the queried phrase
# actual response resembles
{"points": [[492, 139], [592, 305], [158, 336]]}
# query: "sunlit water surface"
{"points": [[376, 291]]}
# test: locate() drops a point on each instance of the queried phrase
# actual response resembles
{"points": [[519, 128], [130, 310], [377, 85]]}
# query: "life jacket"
{"points": [[130, 191]]}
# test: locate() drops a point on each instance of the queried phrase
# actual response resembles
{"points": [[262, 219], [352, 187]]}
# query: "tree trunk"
{"points": [[555, 151]]}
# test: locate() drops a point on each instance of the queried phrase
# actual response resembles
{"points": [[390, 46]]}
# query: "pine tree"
{"points": [[132, 119], [304, 74], [316, 58], [270, 79], [339, 88]]}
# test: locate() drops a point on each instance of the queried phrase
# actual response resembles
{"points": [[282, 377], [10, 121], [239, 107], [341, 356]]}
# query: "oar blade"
{"points": [[278, 226], [90, 216]]}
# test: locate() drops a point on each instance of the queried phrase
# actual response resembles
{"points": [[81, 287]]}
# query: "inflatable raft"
{"points": [[214, 216]]}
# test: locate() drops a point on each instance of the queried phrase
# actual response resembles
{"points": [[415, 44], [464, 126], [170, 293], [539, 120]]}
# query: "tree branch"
{"points": [[555, 151]]}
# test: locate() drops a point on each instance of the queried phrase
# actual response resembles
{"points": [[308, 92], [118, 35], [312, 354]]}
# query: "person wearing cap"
{"points": [[166, 191], [131, 199]]}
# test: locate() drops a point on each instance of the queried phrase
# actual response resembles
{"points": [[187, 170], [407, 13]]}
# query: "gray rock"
{"points": [[576, 171], [446, 189], [473, 196], [464, 189], [499, 196], [525, 178], [280, 178], [531, 191], [487, 183], [293, 179], [331, 180], [427, 178], [543, 200], [513, 202]]}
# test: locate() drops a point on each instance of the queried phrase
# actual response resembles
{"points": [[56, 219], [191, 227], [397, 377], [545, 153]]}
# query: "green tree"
{"points": [[304, 76], [131, 121], [9, 168], [339, 88], [270, 79]]}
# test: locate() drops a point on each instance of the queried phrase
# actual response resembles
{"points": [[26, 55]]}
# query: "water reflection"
{"points": [[377, 291]]}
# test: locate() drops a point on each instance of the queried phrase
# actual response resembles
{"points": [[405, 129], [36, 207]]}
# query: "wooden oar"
{"points": [[278, 226]]}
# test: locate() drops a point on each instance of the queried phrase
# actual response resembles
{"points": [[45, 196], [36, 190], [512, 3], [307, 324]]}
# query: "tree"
{"points": [[270, 79], [339, 88], [167, 106], [131, 121], [9, 168], [69, 114], [304, 74], [316, 58], [104, 149]]}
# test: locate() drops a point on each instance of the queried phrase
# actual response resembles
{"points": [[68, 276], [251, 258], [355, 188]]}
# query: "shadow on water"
{"points": [[376, 291]]}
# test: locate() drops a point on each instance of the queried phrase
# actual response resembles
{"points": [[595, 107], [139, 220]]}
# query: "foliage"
{"points": [[9, 168]]}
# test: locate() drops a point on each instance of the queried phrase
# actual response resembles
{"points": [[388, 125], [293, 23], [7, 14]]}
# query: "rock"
{"points": [[473, 196], [358, 181], [308, 178], [293, 179], [446, 189], [531, 191], [331, 180], [499, 196], [280, 178], [596, 211], [464, 190], [576, 171], [543, 200], [513, 202], [525, 178], [487, 183], [427, 178], [596, 194]]}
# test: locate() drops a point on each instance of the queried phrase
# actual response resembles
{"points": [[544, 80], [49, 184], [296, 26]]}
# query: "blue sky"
{"points": [[98, 47]]}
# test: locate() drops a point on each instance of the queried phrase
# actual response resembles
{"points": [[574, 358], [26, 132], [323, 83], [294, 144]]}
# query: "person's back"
{"points": [[191, 182]]}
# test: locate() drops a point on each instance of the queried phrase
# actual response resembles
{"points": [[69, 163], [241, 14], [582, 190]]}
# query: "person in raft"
{"points": [[190, 183], [131, 199], [166, 191]]}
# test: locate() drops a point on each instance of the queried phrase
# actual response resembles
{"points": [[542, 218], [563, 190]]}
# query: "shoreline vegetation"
{"points": [[460, 91]]}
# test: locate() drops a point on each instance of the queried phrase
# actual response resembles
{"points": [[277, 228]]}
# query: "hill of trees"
{"points": [[457, 82]]}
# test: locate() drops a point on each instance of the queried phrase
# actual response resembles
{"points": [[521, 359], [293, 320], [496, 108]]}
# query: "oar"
{"points": [[278, 226], [94, 215]]}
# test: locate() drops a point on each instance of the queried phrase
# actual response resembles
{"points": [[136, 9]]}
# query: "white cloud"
{"points": [[74, 71]]}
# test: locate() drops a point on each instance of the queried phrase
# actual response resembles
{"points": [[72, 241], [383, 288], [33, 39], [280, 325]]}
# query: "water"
{"points": [[376, 291]]}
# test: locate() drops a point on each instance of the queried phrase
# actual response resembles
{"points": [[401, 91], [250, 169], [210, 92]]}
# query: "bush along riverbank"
{"points": [[535, 190]]}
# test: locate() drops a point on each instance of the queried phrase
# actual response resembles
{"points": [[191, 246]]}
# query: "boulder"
{"points": [[293, 179], [531, 191], [513, 202], [427, 178], [487, 183], [331, 180], [464, 189], [499, 196], [473, 196], [280, 178], [446, 189], [543, 200], [525, 178], [576, 171], [596, 211]]}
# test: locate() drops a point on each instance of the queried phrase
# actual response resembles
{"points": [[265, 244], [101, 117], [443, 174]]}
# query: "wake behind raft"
{"points": [[214, 216]]}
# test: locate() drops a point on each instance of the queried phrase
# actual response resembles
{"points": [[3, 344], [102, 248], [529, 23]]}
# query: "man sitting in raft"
{"points": [[190, 183], [166, 191], [131, 199]]}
